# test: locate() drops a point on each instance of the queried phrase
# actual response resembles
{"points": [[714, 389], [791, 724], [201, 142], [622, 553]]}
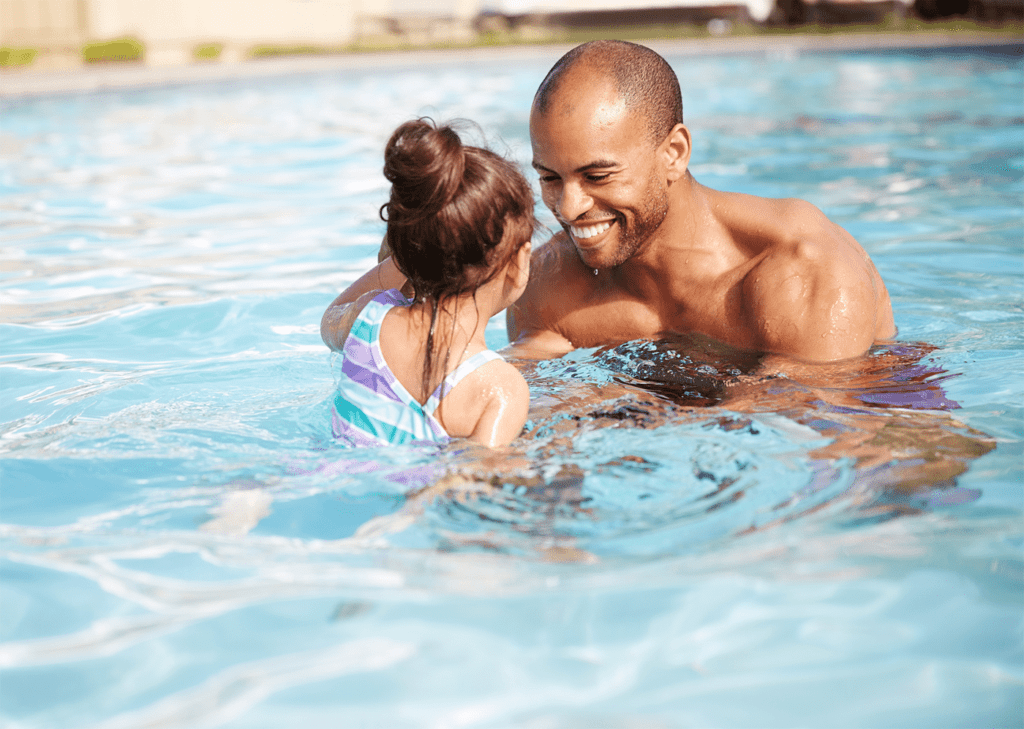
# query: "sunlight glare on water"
{"points": [[678, 539]]}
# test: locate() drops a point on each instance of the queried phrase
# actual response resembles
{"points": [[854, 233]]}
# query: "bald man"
{"points": [[647, 251]]}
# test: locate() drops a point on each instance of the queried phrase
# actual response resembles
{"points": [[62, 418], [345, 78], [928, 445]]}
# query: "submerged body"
{"points": [[647, 251]]}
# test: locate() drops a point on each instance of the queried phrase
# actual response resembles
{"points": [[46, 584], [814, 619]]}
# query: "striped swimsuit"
{"points": [[371, 407]]}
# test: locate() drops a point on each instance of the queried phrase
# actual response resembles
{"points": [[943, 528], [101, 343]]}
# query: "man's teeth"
{"points": [[589, 231]]}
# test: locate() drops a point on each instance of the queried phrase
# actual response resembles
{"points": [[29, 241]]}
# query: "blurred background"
{"points": [[66, 34]]}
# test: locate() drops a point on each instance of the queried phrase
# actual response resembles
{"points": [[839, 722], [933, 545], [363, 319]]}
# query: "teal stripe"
{"points": [[398, 422], [378, 428], [368, 322], [364, 330]]}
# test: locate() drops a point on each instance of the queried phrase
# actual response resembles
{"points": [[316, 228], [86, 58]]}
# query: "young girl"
{"points": [[415, 366]]}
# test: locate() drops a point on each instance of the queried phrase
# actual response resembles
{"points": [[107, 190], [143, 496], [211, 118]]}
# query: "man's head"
{"points": [[643, 80], [608, 142]]}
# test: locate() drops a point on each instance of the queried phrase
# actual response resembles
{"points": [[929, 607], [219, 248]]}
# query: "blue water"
{"points": [[676, 541]]}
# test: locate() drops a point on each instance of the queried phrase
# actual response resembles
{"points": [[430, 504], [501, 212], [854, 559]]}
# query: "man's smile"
{"points": [[581, 231]]}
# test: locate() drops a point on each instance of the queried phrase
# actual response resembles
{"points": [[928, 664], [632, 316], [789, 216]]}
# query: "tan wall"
{"points": [[38, 23], [313, 21], [171, 28], [54, 28], [424, 8]]}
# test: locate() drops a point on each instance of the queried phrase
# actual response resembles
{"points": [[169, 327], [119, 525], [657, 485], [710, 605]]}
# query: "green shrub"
{"points": [[120, 49], [208, 51], [16, 56], [291, 50]]}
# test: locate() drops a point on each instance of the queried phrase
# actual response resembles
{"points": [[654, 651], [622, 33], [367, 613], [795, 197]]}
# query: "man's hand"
{"points": [[533, 344]]}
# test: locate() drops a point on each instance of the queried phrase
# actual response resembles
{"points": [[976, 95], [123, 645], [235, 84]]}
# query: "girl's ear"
{"points": [[519, 271], [385, 249]]}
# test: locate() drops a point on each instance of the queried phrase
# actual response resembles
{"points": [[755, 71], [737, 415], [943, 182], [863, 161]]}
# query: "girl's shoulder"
{"points": [[489, 404], [497, 378]]}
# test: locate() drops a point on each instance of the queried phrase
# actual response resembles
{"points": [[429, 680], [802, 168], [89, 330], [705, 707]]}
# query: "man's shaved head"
{"points": [[643, 80]]}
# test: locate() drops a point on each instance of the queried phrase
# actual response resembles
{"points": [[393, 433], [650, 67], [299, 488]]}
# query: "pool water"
{"points": [[679, 539]]}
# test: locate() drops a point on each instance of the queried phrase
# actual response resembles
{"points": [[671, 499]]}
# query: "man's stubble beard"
{"points": [[633, 237]]}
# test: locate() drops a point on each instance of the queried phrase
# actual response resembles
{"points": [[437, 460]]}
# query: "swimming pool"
{"points": [[676, 542]]}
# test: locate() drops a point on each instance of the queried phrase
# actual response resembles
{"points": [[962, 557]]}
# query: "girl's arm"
{"points": [[338, 319]]}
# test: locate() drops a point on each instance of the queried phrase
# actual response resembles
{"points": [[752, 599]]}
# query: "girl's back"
{"points": [[480, 402]]}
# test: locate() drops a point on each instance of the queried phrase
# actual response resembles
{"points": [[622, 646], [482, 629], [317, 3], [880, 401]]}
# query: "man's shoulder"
{"points": [[812, 292], [802, 245], [778, 224], [780, 233]]}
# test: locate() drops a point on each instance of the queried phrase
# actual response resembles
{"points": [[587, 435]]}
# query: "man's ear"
{"points": [[676, 151]]}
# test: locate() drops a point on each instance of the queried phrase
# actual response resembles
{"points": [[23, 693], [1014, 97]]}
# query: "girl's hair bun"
{"points": [[452, 206], [425, 165]]}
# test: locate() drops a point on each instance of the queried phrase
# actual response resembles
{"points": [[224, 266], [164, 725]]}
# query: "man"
{"points": [[646, 250]]}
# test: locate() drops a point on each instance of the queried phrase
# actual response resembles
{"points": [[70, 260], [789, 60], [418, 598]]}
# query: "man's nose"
{"points": [[573, 202]]}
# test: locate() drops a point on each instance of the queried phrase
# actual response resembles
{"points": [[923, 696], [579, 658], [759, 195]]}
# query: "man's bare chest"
{"points": [[619, 318]]}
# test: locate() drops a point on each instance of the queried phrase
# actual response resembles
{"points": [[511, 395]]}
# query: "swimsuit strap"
{"points": [[476, 361], [366, 326]]}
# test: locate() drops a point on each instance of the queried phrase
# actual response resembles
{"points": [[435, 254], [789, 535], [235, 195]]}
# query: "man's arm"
{"points": [[817, 298]]}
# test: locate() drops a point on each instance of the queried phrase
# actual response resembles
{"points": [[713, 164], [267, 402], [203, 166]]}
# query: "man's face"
{"points": [[599, 173]]}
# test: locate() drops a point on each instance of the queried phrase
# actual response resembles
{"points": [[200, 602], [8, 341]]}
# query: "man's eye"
{"points": [[549, 178], [601, 177]]}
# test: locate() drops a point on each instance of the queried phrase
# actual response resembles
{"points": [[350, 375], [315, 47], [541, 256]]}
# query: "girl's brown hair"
{"points": [[452, 207]]}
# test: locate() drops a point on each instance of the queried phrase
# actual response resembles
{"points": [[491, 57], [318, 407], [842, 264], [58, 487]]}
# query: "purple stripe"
{"points": [[360, 351], [374, 381], [360, 366], [928, 398], [393, 297], [441, 391]]}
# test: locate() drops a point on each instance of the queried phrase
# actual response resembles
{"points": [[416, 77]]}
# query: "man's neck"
{"points": [[690, 247]]}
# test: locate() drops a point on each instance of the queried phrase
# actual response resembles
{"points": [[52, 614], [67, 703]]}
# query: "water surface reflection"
{"points": [[654, 437]]}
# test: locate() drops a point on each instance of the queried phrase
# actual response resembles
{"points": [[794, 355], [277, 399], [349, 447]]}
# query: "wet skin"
{"points": [[673, 256]]}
